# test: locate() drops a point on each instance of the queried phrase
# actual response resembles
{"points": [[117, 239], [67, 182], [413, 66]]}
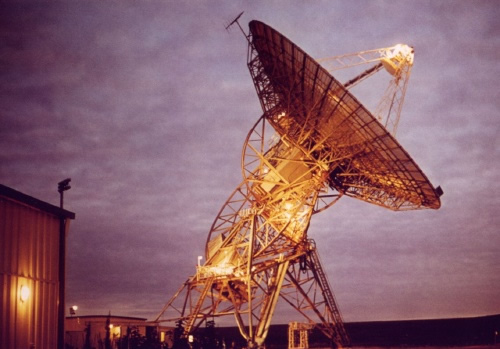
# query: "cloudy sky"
{"points": [[146, 105]]}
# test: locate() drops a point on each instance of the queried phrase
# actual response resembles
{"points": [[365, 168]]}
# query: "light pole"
{"points": [[62, 186]]}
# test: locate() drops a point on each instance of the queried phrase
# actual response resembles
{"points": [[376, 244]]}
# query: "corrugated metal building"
{"points": [[32, 254]]}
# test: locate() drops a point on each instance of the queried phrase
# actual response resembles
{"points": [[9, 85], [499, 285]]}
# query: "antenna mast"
{"points": [[235, 21]]}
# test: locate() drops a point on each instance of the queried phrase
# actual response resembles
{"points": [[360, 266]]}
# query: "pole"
{"points": [[62, 186], [62, 273]]}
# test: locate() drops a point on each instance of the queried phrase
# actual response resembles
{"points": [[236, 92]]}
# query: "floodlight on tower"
{"points": [[314, 143]]}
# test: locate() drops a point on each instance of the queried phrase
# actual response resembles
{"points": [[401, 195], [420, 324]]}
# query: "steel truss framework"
{"points": [[313, 144], [298, 335]]}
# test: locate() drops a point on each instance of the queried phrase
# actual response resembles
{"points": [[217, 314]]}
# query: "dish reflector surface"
{"points": [[309, 107]]}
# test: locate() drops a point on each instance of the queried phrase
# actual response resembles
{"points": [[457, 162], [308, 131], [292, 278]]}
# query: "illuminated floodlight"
{"points": [[73, 309], [24, 293]]}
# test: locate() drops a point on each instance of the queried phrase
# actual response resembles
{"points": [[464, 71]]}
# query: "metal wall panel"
{"points": [[29, 247]]}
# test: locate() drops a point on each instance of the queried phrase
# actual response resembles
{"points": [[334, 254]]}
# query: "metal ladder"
{"points": [[340, 331], [196, 309]]}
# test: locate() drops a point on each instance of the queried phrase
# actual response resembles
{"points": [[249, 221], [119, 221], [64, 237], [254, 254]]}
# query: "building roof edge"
{"points": [[34, 202]]}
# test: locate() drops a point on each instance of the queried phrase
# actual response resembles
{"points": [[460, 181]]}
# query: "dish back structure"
{"points": [[313, 144]]}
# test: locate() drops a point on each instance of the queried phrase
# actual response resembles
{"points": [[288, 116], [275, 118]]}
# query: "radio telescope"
{"points": [[314, 143]]}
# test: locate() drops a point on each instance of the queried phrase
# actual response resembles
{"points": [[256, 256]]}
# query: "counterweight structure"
{"points": [[313, 144]]}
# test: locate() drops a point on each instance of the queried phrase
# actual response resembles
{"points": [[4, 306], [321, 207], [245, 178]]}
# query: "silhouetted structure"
{"points": [[117, 332]]}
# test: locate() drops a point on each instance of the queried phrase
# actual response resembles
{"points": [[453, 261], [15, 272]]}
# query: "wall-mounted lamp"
{"points": [[24, 294]]}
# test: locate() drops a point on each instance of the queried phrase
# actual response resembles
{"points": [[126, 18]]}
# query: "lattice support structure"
{"points": [[313, 144], [298, 335], [257, 250]]}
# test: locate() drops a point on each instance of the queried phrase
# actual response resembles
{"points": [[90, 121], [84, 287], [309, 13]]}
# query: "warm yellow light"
{"points": [[111, 326], [117, 331], [75, 307], [25, 293], [396, 57]]}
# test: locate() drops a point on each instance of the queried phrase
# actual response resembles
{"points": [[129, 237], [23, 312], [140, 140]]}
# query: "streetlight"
{"points": [[73, 309], [62, 186]]}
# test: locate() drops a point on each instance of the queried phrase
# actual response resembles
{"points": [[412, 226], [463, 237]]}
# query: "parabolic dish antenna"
{"points": [[305, 103], [314, 143]]}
